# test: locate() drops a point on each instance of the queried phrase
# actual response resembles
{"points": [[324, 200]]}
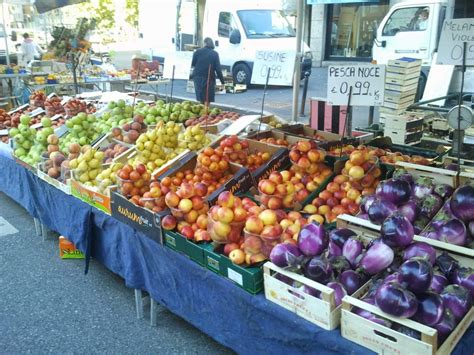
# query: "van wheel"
{"points": [[241, 74]]}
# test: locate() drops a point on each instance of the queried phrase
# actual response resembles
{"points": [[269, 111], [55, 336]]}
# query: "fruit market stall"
{"points": [[210, 219]]}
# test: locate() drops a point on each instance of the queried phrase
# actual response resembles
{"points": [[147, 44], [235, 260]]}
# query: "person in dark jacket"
{"points": [[203, 58]]}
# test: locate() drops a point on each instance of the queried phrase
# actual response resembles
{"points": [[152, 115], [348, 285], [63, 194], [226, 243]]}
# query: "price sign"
{"points": [[453, 34], [367, 83], [182, 65], [280, 63]]}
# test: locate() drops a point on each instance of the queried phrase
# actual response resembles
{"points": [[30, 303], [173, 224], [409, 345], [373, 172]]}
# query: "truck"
{"points": [[238, 28], [401, 33]]}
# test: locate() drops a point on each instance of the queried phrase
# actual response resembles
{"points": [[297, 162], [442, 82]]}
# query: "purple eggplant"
{"points": [[452, 167], [430, 308], [286, 254], [438, 283], [311, 291], [373, 289], [462, 203], [365, 202], [370, 316], [318, 269], [340, 235], [422, 188], [402, 174], [339, 292], [351, 280], [446, 264], [353, 247], [397, 231], [410, 210], [457, 299], [420, 249], [407, 331], [394, 191], [395, 300], [363, 216], [445, 326], [440, 219], [379, 210], [377, 258], [430, 205], [453, 232], [416, 275], [464, 276], [339, 264], [443, 190], [395, 277], [284, 278], [334, 249], [312, 239], [471, 229]]}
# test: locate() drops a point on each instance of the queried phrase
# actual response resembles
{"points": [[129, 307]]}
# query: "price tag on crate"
{"points": [[367, 82]]}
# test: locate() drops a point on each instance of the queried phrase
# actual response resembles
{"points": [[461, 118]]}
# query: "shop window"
{"points": [[409, 19], [352, 29]]}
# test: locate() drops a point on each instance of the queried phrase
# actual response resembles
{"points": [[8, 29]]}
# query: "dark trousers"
{"points": [[200, 84]]}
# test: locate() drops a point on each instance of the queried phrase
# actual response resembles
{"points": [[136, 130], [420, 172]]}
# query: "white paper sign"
{"points": [[182, 65], [367, 82], [453, 34], [280, 63]]}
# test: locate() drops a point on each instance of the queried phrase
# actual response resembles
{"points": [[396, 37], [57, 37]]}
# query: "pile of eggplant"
{"points": [[338, 259], [455, 222], [418, 200], [436, 292]]}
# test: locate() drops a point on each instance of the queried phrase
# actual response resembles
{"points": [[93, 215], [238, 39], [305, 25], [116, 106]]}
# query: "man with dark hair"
{"points": [[206, 65]]}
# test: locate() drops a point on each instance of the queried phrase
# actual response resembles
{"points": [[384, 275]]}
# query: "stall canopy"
{"points": [[48, 5]]}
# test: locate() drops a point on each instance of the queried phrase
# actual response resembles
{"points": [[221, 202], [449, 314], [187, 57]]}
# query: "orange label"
{"points": [[96, 199]]}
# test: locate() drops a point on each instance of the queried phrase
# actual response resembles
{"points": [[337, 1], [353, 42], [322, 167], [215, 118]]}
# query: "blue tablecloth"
{"points": [[245, 323]]}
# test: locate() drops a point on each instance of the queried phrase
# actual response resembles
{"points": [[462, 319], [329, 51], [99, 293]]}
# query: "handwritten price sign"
{"points": [[280, 63], [367, 82], [454, 33]]}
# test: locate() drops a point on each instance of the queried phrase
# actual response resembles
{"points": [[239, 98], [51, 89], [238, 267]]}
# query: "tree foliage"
{"points": [[131, 12]]}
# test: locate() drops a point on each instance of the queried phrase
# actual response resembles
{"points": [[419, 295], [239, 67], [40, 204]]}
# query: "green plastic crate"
{"points": [[177, 242]]}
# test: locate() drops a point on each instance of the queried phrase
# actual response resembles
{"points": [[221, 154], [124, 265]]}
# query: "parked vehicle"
{"points": [[239, 29]]}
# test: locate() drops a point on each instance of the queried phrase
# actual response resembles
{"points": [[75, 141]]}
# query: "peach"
{"points": [[185, 190], [226, 199], [185, 205], [303, 146], [188, 232], [267, 187], [257, 258], [255, 210], [197, 202], [274, 203], [191, 216], [252, 244], [254, 225], [276, 177], [234, 235], [213, 213], [313, 156], [284, 223], [286, 175], [294, 229], [221, 229], [268, 217], [293, 215], [225, 214], [294, 155], [237, 256], [229, 247], [202, 236], [172, 199], [240, 214], [272, 232], [304, 163], [202, 221], [200, 189], [356, 172], [310, 209], [288, 201]]}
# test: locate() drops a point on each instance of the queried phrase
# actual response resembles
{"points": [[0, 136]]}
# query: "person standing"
{"points": [[30, 49], [206, 63]]}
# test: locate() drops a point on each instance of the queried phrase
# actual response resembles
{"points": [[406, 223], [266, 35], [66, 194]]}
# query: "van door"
{"points": [[406, 32]]}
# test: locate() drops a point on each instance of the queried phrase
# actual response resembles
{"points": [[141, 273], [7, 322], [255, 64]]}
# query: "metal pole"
{"points": [[297, 75], [305, 91], [7, 52]]}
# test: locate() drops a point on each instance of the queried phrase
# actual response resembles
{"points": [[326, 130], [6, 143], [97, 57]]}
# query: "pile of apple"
{"points": [[305, 156], [74, 107], [226, 219], [130, 132], [177, 112], [5, 120], [53, 158], [53, 106], [58, 122], [72, 152], [81, 129], [37, 99], [274, 141], [118, 114], [87, 166], [212, 119], [133, 182], [112, 151], [359, 177]]}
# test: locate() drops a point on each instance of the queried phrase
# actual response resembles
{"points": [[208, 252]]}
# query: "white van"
{"points": [[238, 28]]}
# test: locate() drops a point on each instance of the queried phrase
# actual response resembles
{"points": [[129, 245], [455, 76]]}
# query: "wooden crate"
{"points": [[440, 176], [384, 340], [402, 136], [359, 225], [322, 312], [403, 122]]}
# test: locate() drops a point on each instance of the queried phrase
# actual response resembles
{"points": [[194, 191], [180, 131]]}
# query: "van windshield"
{"points": [[265, 23]]}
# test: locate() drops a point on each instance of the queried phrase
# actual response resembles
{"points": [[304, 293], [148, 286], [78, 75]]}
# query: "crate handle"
{"points": [[295, 294], [385, 336]]}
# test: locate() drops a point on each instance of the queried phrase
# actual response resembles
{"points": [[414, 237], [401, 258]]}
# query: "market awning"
{"points": [[48, 5], [319, 2]]}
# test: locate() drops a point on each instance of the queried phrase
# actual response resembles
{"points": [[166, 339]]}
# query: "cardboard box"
{"points": [[90, 196], [139, 218], [248, 278], [178, 242]]}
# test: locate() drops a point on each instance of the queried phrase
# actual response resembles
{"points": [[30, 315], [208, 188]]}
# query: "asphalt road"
{"points": [[278, 100], [48, 305]]}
